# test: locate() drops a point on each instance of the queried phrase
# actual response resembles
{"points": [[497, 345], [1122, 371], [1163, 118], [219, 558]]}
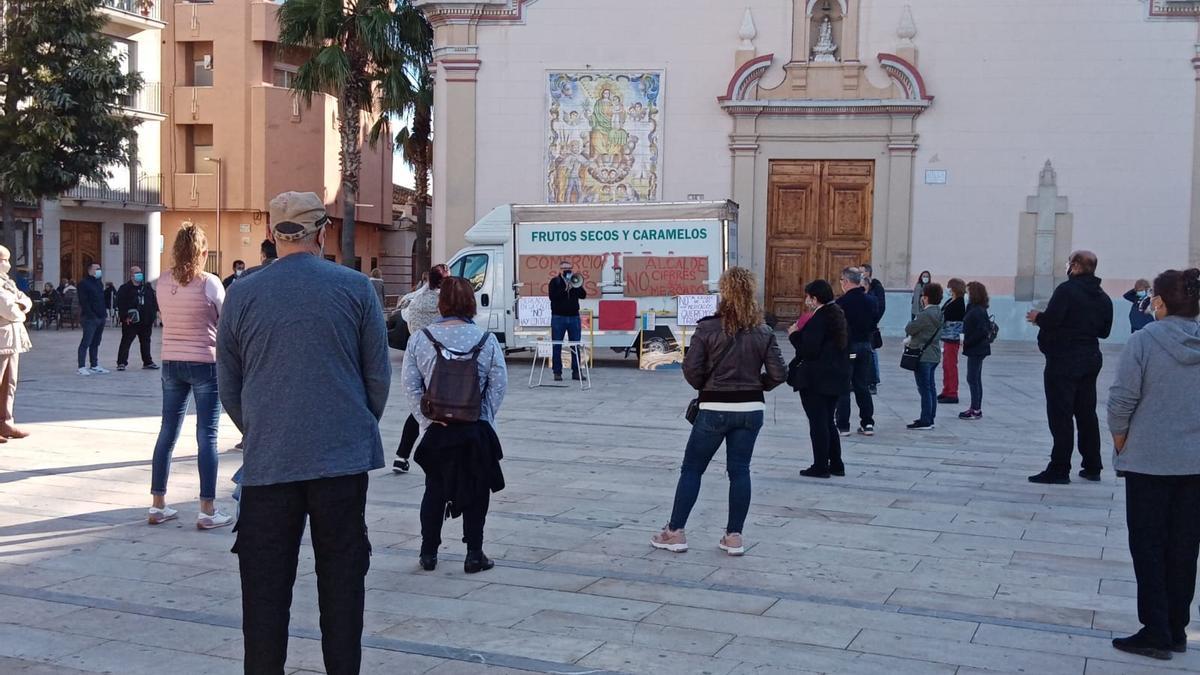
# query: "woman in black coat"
{"points": [[821, 373], [977, 346]]}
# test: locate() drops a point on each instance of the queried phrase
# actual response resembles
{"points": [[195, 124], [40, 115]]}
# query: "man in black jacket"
{"points": [[861, 320], [875, 290], [137, 307], [564, 318], [1077, 316], [93, 315], [239, 268]]}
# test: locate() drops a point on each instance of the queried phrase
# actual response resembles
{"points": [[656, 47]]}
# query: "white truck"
{"points": [[635, 259]]}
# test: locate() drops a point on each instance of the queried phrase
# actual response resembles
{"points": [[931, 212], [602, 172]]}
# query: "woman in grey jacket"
{"points": [[1156, 433], [922, 333]]}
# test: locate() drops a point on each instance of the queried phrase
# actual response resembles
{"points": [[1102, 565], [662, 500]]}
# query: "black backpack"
{"points": [[993, 329], [452, 395]]}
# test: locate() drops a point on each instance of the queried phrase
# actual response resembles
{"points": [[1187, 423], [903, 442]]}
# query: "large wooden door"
{"points": [[818, 222], [80, 248]]}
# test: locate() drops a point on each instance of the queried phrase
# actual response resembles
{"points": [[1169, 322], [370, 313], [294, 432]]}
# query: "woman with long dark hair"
{"points": [[733, 358], [923, 280], [976, 346], [190, 301], [1156, 433], [821, 375]]}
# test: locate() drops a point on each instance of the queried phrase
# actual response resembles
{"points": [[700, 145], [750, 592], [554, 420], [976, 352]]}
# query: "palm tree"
{"points": [[357, 54], [415, 139]]}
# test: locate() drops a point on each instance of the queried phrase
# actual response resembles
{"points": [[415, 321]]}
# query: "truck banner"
{"points": [[647, 276], [536, 271]]}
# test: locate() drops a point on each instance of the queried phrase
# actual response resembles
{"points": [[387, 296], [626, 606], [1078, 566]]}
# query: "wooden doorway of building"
{"points": [[80, 248], [818, 222]]}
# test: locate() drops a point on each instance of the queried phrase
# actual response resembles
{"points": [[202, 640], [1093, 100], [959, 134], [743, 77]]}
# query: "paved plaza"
{"points": [[933, 554]]}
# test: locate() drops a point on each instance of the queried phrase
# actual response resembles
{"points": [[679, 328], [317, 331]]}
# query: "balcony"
{"points": [[147, 102], [264, 22], [126, 18], [198, 105], [147, 192], [194, 191]]}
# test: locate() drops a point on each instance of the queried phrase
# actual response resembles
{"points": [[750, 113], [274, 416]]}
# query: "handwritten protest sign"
{"points": [[692, 308], [533, 312], [647, 276]]}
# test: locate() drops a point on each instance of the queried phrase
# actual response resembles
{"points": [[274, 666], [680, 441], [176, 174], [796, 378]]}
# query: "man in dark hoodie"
{"points": [[1078, 315]]}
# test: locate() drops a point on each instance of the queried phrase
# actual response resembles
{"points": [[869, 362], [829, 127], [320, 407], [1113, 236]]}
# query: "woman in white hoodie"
{"points": [[1152, 414]]}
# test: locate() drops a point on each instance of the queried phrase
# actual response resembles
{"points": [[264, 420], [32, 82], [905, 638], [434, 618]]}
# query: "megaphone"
{"points": [[575, 280]]}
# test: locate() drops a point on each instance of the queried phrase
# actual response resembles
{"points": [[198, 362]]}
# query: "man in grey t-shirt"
{"points": [[302, 366]]}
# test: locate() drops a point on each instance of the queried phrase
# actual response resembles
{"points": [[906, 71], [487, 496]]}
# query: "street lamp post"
{"points": [[220, 259]]}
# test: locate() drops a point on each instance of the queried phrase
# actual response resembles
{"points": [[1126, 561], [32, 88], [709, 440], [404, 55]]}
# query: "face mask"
{"points": [[566, 273], [237, 273], [924, 280], [1068, 270], [139, 277], [1143, 294], [98, 273]]}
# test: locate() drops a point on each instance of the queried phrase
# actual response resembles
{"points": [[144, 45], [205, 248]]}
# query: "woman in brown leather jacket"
{"points": [[732, 360]]}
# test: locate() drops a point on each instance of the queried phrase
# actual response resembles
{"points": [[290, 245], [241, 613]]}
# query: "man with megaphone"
{"points": [[566, 290]]}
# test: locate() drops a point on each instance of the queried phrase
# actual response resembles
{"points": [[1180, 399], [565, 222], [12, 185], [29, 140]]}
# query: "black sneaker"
{"points": [[558, 377], [1047, 478], [874, 389], [1137, 644], [577, 377], [844, 432], [429, 562], [867, 429], [400, 466], [841, 471], [947, 399], [476, 561], [920, 426], [1090, 475], [150, 366], [1179, 646], [814, 472], [120, 367]]}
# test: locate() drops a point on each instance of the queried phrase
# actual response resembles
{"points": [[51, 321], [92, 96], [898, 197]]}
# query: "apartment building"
{"points": [[236, 136], [116, 222]]}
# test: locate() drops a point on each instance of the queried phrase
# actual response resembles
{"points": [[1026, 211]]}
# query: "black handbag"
{"points": [[876, 340], [693, 407], [911, 358], [397, 334]]}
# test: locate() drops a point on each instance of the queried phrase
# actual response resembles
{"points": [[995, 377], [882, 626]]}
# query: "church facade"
{"points": [[980, 140]]}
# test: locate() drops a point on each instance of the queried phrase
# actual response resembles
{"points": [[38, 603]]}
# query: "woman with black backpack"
{"points": [[977, 345], [454, 378]]}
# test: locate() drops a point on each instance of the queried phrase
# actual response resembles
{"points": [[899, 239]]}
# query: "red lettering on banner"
{"points": [[535, 271], [661, 275]]}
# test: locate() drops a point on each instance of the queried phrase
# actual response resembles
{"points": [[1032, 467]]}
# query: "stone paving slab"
{"points": [[933, 554]]}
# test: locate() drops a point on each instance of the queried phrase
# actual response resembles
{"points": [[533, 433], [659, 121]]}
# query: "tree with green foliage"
{"points": [[61, 85], [415, 139], [356, 54]]}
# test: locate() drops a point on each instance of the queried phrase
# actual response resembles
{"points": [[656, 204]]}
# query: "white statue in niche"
{"points": [[826, 48]]}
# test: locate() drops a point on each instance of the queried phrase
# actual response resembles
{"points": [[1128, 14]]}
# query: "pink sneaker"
{"points": [[670, 540], [731, 543]]}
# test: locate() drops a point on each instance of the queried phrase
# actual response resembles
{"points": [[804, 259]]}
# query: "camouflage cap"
{"points": [[295, 215]]}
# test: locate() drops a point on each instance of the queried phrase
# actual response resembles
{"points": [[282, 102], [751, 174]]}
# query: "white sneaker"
{"points": [[84, 371], [217, 519], [99, 370], [160, 516]]}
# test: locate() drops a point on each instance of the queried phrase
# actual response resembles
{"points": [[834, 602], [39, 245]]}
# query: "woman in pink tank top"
{"points": [[190, 301]]}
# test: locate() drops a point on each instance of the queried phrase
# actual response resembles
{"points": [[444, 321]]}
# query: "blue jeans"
{"points": [[738, 430], [975, 380], [179, 378], [875, 366], [93, 331], [927, 388], [571, 327]]}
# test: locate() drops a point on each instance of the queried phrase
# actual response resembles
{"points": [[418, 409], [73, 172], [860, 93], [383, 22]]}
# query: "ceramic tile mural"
{"points": [[603, 142]]}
